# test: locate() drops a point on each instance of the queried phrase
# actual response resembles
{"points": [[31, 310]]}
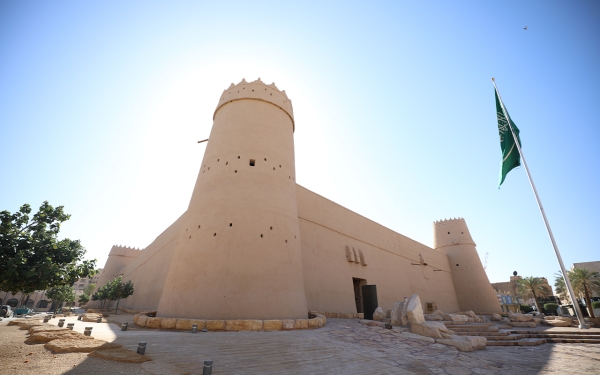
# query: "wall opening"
{"points": [[358, 283], [252, 162]]}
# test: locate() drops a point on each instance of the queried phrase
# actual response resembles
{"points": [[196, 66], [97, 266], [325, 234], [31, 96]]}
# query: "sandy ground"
{"points": [[18, 358]]}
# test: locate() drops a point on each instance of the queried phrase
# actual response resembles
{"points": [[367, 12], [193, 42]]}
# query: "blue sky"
{"points": [[101, 105]]}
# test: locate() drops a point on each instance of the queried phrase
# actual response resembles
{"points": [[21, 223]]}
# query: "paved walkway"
{"points": [[342, 347]]}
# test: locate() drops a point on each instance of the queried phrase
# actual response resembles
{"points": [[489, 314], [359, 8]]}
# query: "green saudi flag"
{"points": [[510, 153]]}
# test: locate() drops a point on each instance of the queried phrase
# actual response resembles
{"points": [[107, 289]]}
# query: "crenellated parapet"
{"points": [[257, 90], [126, 251], [451, 232]]}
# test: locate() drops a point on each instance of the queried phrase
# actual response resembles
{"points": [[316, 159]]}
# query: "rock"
{"points": [[537, 320], [505, 320], [556, 323], [457, 318], [43, 337], [429, 329], [464, 343], [26, 325], [493, 328], [215, 325], [519, 317], [91, 317], [288, 324], [16, 322], [471, 314], [77, 346], [478, 342], [496, 317], [388, 314], [395, 316], [168, 323], [360, 315], [522, 324], [245, 325], [312, 323], [153, 322], [414, 310], [120, 355], [432, 317], [186, 324], [277, 325], [301, 324], [438, 312], [418, 337], [379, 314], [142, 320], [47, 328]]}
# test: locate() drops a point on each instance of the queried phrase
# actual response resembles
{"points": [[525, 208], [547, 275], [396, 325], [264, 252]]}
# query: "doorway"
{"points": [[358, 283]]}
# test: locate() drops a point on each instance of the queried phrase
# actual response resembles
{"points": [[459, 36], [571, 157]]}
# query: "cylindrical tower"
{"points": [[473, 288], [238, 253]]}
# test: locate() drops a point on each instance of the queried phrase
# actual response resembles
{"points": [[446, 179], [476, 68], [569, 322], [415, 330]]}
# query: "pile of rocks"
{"points": [[523, 320], [410, 313]]}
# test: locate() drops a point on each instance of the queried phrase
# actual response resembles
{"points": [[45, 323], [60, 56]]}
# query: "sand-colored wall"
{"points": [[473, 289], [149, 270], [118, 258], [326, 228], [238, 255]]}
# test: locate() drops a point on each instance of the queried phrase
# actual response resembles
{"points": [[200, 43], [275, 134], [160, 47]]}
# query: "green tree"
{"points": [[118, 289], [31, 255], [102, 294], [533, 287], [83, 299], [60, 294], [560, 287], [88, 290], [585, 283]]}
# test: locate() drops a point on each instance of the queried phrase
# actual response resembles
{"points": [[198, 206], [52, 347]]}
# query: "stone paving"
{"points": [[343, 346]]}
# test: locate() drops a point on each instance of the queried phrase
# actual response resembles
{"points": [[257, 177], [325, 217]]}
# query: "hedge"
{"points": [[596, 305], [551, 307]]}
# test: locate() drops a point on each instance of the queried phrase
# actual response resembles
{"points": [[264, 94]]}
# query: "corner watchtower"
{"points": [[238, 254], [473, 288]]}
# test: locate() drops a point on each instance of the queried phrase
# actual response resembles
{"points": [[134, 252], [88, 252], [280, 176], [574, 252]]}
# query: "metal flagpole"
{"points": [[537, 198]]}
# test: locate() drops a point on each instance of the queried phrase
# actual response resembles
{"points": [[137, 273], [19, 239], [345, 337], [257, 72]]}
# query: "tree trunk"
{"points": [[117, 308], [536, 302], [588, 302]]}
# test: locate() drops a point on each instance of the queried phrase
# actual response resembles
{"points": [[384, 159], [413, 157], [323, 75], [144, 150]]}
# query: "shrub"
{"points": [[596, 305], [551, 307], [526, 308]]}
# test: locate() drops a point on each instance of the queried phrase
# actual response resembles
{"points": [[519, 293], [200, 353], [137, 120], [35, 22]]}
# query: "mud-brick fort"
{"points": [[253, 244]]}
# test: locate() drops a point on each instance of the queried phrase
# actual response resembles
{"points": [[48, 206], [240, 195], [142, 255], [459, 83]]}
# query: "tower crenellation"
{"points": [[257, 90], [473, 291]]}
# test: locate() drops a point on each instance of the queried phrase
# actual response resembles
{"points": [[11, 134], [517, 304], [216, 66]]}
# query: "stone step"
{"points": [[468, 328], [560, 336], [573, 341], [523, 342], [485, 334], [578, 332]]}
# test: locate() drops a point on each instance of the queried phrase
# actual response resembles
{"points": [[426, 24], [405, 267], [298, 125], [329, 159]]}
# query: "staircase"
{"points": [[513, 337]]}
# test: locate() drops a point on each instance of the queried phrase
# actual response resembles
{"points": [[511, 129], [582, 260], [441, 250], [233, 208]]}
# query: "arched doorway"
{"points": [[13, 302]]}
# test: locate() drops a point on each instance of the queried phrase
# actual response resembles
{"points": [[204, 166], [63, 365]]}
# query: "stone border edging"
{"points": [[316, 320]]}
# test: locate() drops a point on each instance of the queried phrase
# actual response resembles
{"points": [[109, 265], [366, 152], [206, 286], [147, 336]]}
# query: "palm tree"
{"points": [[585, 282], [533, 286], [560, 287]]}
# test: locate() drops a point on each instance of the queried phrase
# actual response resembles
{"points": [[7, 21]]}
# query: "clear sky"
{"points": [[102, 103]]}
